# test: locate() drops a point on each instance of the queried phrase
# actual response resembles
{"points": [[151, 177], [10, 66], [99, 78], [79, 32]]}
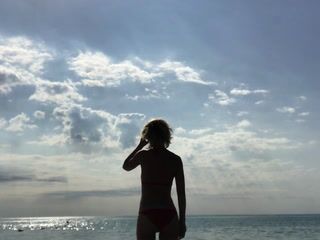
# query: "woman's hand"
{"points": [[142, 143]]}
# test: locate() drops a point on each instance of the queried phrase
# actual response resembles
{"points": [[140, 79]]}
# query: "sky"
{"points": [[236, 80]]}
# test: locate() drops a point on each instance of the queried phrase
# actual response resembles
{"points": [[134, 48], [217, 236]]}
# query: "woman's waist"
{"points": [[157, 208], [157, 203]]}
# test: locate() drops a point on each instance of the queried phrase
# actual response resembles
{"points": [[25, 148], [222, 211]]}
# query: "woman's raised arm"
{"points": [[134, 158]]}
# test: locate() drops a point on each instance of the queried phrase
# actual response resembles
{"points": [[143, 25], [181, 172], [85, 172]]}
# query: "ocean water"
{"points": [[258, 227]]}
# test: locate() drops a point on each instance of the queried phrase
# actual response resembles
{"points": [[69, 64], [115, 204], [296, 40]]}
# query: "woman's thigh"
{"points": [[171, 231], [146, 230]]}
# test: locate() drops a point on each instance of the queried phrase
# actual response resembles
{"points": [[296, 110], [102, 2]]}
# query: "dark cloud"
{"points": [[57, 179], [84, 128], [127, 192], [8, 175], [14, 178], [130, 128], [8, 80], [88, 130], [128, 134]]}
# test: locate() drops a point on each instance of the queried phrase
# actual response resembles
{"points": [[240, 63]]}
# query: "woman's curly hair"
{"points": [[157, 132]]}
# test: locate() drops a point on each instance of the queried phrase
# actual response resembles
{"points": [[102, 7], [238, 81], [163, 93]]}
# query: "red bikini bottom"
{"points": [[159, 217]]}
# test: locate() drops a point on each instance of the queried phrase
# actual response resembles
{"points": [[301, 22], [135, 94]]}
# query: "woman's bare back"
{"points": [[158, 169]]}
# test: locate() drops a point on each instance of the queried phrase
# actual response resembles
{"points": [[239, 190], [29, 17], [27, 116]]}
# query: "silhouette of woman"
{"points": [[159, 167]]}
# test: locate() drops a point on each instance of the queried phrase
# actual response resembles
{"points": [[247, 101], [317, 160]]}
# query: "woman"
{"points": [[159, 167]]}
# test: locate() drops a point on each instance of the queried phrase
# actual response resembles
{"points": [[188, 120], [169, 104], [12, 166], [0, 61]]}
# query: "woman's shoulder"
{"points": [[169, 153], [174, 155]]}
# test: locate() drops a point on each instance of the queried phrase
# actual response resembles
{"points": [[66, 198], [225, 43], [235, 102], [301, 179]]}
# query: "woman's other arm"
{"points": [[181, 198]]}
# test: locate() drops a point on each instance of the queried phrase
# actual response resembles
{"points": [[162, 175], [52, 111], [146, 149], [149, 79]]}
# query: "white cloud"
{"points": [[262, 91], [201, 131], [97, 69], [19, 123], [21, 62], [12, 76], [244, 92], [235, 160], [303, 114], [3, 123], [242, 113], [24, 53], [259, 102], [183, 72], [39, 114], [221, 98], [244, 123], [241, 92], [57, 92], [8, 79], [150, 94], [286, 109], [51, 140], [180, 130], [218, 144], [302, 98]]}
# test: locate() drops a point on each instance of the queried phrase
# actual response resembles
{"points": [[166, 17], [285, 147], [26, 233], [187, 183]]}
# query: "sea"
{"points": [[221, 227]]}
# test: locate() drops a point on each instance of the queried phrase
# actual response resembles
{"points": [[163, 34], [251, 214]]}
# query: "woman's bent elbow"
{"points": [[126, 168]]}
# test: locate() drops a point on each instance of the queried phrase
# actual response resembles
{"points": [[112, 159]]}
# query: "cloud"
{"points": [[129, 126], [244, 124], [21, 62], [304, 114], [241, 92], [14, 178], [180, 130], [19, 123], [259, 102], [52, 140], [242, 113], [244, 92], [57, 179], [183, 72], [302, 98], [286, 109], [7, 80], [97, 69], [82, 125], [200, 131], [127, 192], [3, 123], [21, 52], [221, 98], [57, 93], [8, 175], [237, 160], [86, 130], [150, 94], [260, 91], [219, 144], [39, 114]]}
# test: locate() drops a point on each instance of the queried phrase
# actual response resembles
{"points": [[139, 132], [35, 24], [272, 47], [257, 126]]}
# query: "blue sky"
{"points": [[237, 81]]}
